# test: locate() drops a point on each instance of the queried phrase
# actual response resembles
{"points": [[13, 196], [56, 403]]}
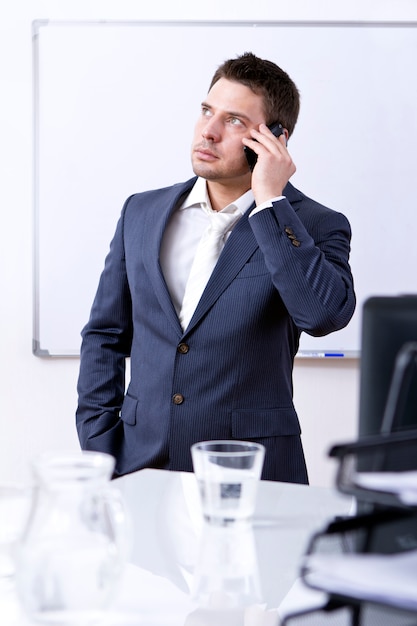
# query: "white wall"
{"points": [[38, 397]]}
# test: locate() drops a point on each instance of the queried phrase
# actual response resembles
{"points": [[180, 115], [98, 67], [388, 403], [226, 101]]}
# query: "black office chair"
{"points": [[401, 388]]}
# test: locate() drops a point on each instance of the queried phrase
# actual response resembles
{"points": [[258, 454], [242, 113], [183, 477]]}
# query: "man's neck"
{"points": [[221, 194]]}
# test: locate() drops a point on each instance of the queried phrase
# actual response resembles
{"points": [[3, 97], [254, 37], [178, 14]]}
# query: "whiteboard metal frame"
{"points": [[37, 26]]}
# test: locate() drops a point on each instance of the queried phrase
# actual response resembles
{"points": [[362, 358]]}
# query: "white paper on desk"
{"points": [[402, 484], [388, 578]]}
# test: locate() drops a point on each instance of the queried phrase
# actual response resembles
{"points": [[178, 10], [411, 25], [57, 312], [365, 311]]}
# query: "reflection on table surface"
{"points": [[183, 572]]}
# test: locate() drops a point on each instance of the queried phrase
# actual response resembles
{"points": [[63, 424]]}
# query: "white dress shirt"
{"points": [[184, 232]]}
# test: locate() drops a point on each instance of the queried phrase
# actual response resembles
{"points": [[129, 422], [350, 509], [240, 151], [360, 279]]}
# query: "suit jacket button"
{"points": [[295, 243], [183, 348], [177, 398]]}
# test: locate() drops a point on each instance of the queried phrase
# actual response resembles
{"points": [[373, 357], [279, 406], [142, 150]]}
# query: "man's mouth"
{"points": [[205, 154]]}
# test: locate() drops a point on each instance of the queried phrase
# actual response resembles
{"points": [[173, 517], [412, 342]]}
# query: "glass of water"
{"points": [[227, 473]]}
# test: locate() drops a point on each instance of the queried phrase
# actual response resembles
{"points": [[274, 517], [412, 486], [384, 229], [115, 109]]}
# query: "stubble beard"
{"points": [[212, 171]]}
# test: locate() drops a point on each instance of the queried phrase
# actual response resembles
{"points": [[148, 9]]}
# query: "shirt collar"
{"points": [[199, 196]]}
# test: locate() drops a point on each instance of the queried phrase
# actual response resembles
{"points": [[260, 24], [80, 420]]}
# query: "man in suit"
{"points": [[219, 368]]}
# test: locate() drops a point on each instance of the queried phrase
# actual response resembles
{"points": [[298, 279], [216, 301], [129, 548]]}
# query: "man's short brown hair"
{"points": [[281, 96]]}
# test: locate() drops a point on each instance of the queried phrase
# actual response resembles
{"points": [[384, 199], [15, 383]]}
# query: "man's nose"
{"points": [[211, 130]]}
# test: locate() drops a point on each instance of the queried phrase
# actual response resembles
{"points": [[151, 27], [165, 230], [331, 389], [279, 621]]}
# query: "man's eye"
{"points": [[205, 112], [235, 121]]}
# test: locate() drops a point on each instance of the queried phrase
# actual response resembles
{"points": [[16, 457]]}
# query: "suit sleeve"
{"points": [[309, 264], [106, 342]]}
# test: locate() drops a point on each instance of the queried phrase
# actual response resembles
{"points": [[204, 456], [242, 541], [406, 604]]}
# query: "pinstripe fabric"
{"points": [[229, 375]]}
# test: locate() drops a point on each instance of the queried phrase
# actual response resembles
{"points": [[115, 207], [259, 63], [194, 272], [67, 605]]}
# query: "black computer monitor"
{"points": [[388, 323]]}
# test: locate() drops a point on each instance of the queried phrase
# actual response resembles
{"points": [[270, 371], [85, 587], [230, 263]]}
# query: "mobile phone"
{"points": [[251, 156]]}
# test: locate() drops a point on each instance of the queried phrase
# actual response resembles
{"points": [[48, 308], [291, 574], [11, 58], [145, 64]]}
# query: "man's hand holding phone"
{"points": [[269, 161], [251, 156]]}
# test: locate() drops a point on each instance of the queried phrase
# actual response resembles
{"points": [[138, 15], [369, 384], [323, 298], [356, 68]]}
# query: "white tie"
{"points": [[208, 251]]}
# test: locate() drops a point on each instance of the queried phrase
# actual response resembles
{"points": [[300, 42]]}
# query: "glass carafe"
{"points": [[72, 553]]}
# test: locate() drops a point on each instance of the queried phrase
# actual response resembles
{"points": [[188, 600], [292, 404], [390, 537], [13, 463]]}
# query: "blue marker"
{"points": [[321, 355]]}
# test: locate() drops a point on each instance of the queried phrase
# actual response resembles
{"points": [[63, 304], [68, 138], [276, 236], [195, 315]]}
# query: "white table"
{"points": [[251, 574]]}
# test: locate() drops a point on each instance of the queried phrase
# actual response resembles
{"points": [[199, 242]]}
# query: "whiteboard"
{"points": [[115, 105]]}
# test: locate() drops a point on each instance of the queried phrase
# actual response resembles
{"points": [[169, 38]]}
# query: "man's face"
{"points": [[228, 113]]}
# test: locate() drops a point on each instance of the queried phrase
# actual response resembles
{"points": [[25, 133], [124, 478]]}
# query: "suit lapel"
{"points": [[238, 249], [156, 220]]}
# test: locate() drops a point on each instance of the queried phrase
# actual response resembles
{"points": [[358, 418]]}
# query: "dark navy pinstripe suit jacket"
{"points": [[283, 271]]}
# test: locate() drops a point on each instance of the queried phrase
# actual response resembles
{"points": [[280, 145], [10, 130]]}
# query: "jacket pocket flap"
{"points": [[248, 423]]}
